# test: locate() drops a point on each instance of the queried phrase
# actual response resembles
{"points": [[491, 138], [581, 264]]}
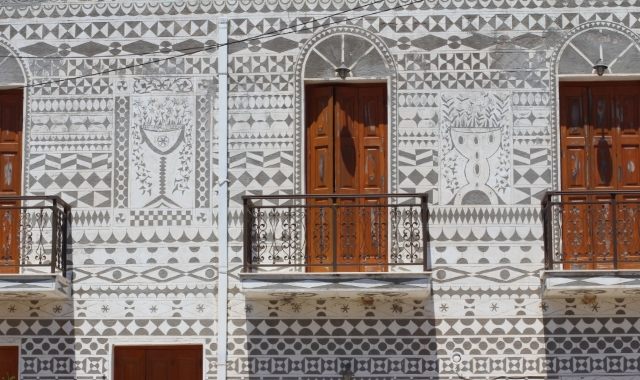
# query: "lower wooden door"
{"points": [[9, 366], [158, 362]]}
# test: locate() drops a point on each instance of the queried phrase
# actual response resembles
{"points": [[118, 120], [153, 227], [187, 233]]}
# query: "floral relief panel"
{"points": [[162, 152], [476, 148]]}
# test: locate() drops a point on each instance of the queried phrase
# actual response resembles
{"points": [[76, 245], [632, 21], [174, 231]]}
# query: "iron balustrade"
{"points": [[585, 230], [335, 233], [34, 234]]}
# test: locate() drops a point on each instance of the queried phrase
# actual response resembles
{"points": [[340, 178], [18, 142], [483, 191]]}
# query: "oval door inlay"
{"points": [[576, 115], [631, 166], [605, 161], [371, 175], [8, 173], [576, 166], [600, 113], [321, 168], [620, 114]]}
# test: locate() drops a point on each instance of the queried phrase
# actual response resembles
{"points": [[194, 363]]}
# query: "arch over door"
{"points": [[600, 150], [346, 155]]}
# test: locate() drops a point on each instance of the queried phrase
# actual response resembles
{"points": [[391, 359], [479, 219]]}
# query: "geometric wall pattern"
{"points": [[146, 270]]}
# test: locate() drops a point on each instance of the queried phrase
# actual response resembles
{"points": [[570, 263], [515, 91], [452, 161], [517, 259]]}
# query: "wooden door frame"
{"points": [[21, 186], [583, 81], [303, 127], [387, 144], [134, 341], [23, 137], [587, 115]]}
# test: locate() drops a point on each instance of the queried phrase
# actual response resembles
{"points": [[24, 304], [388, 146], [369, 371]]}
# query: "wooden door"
{"points": [[9, 366], [158, 363], [346, 155], [600, 150], [10, 171]]}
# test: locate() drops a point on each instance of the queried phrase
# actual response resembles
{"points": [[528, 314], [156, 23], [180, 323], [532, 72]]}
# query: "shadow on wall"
{"points": [[367, 337], [589, 336]]}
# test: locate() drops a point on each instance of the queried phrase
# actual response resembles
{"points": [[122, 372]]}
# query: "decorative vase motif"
{"points": [[162, 151], [477, 145]]}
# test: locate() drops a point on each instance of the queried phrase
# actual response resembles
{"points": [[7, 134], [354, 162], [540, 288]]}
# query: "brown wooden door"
{"points": [[600, 150], [10, 170], [9, 366], [346, 155], [158, 363]]}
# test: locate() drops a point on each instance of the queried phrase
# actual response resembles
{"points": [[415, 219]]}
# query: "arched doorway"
{"points": [[599, 146], [347, 147]]}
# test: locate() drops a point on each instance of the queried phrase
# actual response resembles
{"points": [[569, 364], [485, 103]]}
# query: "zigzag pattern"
{"points": [[70, 161], [82, 199], [532, 156]]}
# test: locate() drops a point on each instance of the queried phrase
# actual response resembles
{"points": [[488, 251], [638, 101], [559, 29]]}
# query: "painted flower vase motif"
{"points": [[162, 140], [163, 130], [477, 145]]}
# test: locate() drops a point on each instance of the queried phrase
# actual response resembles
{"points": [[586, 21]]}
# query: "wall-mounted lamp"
{"points": [[347, 373], [600, 67], [343, 71]]}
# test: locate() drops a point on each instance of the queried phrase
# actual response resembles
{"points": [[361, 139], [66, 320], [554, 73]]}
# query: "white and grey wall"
{"points": [[145, 250]]}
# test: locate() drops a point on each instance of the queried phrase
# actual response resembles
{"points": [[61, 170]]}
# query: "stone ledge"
{"points": [[411, 285], [606, 283], [51, 286]]}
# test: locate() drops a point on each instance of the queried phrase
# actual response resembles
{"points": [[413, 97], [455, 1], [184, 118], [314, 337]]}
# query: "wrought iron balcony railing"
{"points": [[34, 232], [586, 230], [336, 233]]}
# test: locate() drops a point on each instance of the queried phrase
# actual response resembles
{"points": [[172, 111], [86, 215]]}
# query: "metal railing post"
{"points": [[246, 232], [334, 233], [65, 240], [614, 228], [54, 233], [424, 215], [546, 232]]}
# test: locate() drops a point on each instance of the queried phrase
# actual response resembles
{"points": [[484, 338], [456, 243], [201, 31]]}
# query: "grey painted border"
{"points": [[392, 81]]}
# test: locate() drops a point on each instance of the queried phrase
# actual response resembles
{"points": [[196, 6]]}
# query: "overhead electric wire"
{"points": [[186, 49], [279, 32], [159, 51]]}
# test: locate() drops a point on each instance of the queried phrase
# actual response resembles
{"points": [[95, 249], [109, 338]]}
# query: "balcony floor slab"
{"points": [[606, 283], [414, 285], [49, 286]]}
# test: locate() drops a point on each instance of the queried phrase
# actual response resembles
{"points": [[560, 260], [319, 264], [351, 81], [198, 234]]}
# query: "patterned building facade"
{"points": [[121, 119]]}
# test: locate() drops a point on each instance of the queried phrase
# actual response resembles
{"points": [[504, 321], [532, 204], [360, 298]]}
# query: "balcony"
{"points": [[364, 246], [591, 243], [34, 236]]}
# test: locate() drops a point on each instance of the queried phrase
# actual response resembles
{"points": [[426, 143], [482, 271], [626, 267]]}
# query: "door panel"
{"points": [[319, 172], [158, 363], [608, 115], [626, 105], [9, 365], [357, 117], [575, 170], [10, 171], [129, 363]]}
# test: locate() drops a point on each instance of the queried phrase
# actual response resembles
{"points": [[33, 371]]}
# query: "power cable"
{"points": [[200, 48], [264, 35]]}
